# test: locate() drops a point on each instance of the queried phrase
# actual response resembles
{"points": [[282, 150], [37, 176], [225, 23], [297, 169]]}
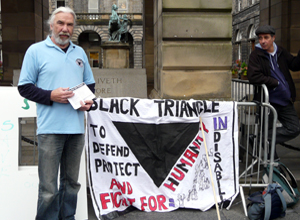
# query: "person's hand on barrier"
{"points": [[61, 95], [86, 105]]}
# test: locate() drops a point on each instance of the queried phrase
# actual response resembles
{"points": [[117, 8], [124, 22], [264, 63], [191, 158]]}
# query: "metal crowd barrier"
{"points": [[255, 152]]}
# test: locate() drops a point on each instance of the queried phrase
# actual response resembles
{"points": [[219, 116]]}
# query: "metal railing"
{"points": [[255, 151], [241, 90], [28, 152], [103, 16]]}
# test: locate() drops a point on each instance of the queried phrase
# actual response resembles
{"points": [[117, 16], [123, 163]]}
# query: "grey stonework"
{"points": [[106, 6], [69, 3], [80, 6], [242, 21], [136, 31], [52, 6], [133, 6], [243, 4], [101, 30]]}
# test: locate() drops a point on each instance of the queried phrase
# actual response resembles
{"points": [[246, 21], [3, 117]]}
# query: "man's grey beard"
{"points": [[59, 41]]}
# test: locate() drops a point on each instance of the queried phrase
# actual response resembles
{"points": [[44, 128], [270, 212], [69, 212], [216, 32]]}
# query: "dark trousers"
{"points": [[287, 116]]}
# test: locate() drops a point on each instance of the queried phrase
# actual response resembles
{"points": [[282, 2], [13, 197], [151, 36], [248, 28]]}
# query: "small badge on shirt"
{"points": [[79, 62]]}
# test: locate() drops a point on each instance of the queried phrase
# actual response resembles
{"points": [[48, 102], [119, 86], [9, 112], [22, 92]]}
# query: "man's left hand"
{"points": [[86, 105]]}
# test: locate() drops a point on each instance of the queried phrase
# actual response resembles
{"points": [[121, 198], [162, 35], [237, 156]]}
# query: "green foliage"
{"points": [[244, 69], [239, 68]]}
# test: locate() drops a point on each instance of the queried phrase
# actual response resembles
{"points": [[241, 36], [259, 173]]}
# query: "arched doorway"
{"points": [[90, 41]]}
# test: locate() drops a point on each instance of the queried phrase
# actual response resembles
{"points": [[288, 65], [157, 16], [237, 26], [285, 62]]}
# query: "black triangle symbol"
{"points": [[157, 147]]}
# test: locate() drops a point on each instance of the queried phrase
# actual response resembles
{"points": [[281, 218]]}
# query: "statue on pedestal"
{"points": [[118, 26]]}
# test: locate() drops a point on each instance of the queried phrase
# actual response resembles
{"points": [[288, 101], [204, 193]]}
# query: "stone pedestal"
{"points": [[115, 55], [120, 83], [114, 82]]}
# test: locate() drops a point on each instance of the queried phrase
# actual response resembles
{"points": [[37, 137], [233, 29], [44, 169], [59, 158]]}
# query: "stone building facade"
{"points": [[190, 52], [192, 49], [23, 23], [26, 23], [245, 20], [92, 23]]}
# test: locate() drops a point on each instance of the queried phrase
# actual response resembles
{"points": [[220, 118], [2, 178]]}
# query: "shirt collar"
{"points": [[275, 49], [273, 53]]}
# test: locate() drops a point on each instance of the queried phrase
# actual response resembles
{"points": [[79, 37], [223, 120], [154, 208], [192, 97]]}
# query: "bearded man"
{"points": [[49, 69]]}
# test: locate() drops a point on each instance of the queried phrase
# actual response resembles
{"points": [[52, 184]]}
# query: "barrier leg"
{"points": [[243, 200]]}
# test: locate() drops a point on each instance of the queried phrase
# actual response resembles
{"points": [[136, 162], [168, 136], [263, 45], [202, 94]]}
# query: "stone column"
{"points": [[137, 54], [192, 49], [137, 35]]}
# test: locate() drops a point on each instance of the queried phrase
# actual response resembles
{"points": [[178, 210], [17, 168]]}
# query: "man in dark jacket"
{"points": [[269, 64]]}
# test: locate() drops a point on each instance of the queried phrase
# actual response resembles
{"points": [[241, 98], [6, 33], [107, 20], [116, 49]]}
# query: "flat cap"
{"points": [[266, 29]]}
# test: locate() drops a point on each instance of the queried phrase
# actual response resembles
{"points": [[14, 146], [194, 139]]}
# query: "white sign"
{"points": [[19, 184], [151, 154], [81, 93]]}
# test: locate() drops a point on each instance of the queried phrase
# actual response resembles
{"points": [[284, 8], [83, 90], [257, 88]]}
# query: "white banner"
{"points": [[151, 154]]}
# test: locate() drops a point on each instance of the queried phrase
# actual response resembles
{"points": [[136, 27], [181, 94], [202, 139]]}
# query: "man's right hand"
{"points": [[61, 95]]}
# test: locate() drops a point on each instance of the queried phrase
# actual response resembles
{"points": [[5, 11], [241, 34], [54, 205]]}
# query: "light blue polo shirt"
{"points": [[48, 67]]}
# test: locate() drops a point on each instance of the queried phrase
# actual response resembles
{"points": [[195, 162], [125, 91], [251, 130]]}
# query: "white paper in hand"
{"points": [[81, 93]]}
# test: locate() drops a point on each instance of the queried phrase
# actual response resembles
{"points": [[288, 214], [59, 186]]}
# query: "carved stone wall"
{"points": [[136, 32], [70, 3], [101, 30], [133, 6], [192, 49], [242, 21]]}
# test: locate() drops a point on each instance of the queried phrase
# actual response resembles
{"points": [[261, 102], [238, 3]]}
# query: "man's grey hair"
{"points": [[64, 10]]}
